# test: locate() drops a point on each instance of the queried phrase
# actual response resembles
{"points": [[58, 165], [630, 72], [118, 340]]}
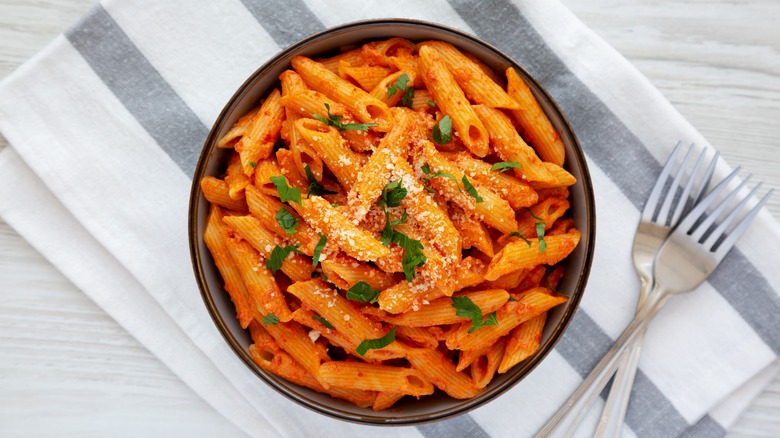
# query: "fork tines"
{"points": [[681, 193], [715, 222]]}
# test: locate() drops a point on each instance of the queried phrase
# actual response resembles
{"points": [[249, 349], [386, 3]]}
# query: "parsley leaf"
{"points": [[539, 230], [270, 319], [426, 169], [413, 256], [323, 321], [374, 344], [315, 188], [540, 233], [253, 164], [432, 103], [471, 189], [363, 292], [442, 131], [388, 232], [336, 122], [287, 220], [533, 215], [278, 255], [467, 309], [402, 84], [503, 166], [517, 234], [318, 249], [286, 193], [392, 194]]}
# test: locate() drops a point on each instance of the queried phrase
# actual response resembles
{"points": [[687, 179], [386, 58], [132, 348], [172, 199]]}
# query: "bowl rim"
{"points": [[525, 367]]}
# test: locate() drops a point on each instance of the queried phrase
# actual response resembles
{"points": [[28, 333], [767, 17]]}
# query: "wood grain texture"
{"points": [[66, 368]]}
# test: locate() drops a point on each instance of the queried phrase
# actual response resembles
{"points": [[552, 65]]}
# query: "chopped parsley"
{"points": [[467, 309], [402, 84], [318, 249], [270, 319], [426, 169], [286, 219], [517, 234], [375, 344], [253, 164], [286, 193], [471, 189], [432, 103], [363, 292], [442, 131], [323, 321], [539, 231], [503, 166], [336, 122], [315, 188], [413, 256], [392, 194], [278, 255]]}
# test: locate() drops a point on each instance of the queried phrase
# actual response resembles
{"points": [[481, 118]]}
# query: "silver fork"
{"points": [[654, 227], [685, 260], [661, 213]]}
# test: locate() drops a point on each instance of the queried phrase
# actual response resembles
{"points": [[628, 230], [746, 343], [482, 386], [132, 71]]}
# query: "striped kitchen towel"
{"points": [[106, 124]]}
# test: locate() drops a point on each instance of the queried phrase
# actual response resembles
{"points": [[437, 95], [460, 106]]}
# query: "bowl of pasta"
{"points": [[391, 222]]}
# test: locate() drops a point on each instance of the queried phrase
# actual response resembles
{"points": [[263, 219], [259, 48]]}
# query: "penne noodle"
{"points": [[351, 239], [519, 255], [477, 85], [517, 192], [386, 400], [534, 121], [522, 342], [261, 134], [295, 266], [326, 141], [373, 377], [246, 306], [441, 311], [366, 77], [512, 314], [216, 191], [365, 107], [483, 370], [258, 280], [511, 147], [451, 101], [441, 372]]}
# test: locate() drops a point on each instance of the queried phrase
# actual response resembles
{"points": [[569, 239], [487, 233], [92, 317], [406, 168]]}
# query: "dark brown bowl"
{"points": [[212, 162]]}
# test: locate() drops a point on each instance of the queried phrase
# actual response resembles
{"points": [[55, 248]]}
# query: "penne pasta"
{"points": [[365, 107], [451, 101], [534, 121]]}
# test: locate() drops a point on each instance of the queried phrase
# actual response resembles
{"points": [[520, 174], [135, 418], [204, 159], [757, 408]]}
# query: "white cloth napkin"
{"points": [[106, 124]]}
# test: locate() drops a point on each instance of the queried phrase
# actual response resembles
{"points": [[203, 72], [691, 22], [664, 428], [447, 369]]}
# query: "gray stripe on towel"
{"points": [[287, 21], [140, 87]]}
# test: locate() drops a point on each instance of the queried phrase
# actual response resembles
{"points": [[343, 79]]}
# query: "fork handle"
{"points": [[614, 414], [565, 421], [611, 423]]}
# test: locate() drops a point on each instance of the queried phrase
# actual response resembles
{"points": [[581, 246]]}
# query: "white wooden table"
{"points": [[66, 368]]}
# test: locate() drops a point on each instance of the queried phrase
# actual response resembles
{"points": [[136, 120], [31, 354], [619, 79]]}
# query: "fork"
{"points": [[686, 258], [654, 226]]}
